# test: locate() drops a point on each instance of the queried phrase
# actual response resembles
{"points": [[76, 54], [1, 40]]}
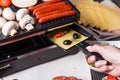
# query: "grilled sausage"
{"points": [[56, 16], [43, 4], [47, 12], [52, 7]]}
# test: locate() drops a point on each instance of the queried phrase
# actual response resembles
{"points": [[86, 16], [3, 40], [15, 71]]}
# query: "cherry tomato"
{"points": [[110, 77], [5, 3], [59, 34]]}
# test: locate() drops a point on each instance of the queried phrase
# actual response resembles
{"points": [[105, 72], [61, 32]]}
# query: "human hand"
{"points": [[110, 54]]}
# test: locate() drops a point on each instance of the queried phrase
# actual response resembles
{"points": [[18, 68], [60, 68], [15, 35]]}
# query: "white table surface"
{"points": [[73, 65]]}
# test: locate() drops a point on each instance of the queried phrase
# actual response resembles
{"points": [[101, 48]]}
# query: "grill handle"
{"points": [[83, 46]]}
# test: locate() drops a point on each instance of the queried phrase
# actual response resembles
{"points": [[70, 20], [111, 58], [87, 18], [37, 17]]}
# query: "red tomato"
{"points": [[73, 78], [110, 77], [65, 78], [61, 78], [5, 3], [59, 34]]}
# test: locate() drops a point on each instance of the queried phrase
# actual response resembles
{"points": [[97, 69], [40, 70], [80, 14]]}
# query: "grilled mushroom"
{"points": [[27, 19], [21, 13], [8, 14], [10, 28]]}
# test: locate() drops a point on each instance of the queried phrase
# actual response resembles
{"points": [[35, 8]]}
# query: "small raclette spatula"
{"points": [[68, 35]]}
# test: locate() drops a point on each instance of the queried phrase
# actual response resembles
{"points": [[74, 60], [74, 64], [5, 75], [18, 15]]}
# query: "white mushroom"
{"points": [[21, 13], [0, 11], [8, 14], [29, 27], [2, 22], [24, 3], [10, 28], [27, 19]]}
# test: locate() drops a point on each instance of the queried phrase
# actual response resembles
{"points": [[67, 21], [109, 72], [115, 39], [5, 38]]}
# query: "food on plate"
{"points": [[2, 22], [10, 28], [100, 16], [52, 10], [56, 16], [26, 21], [66, 41], [65, 78], [31, 8], [21, 13], [8, 13], [24, 3], [76, 36], [5, 3]]}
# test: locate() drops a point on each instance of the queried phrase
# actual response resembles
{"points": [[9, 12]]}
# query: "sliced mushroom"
{"points": [[27, 19], [8, 14], [21, 13], [2, 22], [10, 28]]}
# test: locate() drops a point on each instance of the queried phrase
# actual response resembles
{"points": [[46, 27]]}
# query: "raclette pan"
{"points": [[39, 28], [76, 37]]}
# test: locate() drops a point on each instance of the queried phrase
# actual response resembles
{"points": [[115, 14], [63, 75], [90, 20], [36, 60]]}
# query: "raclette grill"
{"points": [[28, 49], [39, 28], [36, 50]]}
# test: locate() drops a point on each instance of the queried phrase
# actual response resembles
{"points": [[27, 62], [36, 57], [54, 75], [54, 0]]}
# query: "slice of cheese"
{"points": [[111, 16], [99, 15], [68, 36]]}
